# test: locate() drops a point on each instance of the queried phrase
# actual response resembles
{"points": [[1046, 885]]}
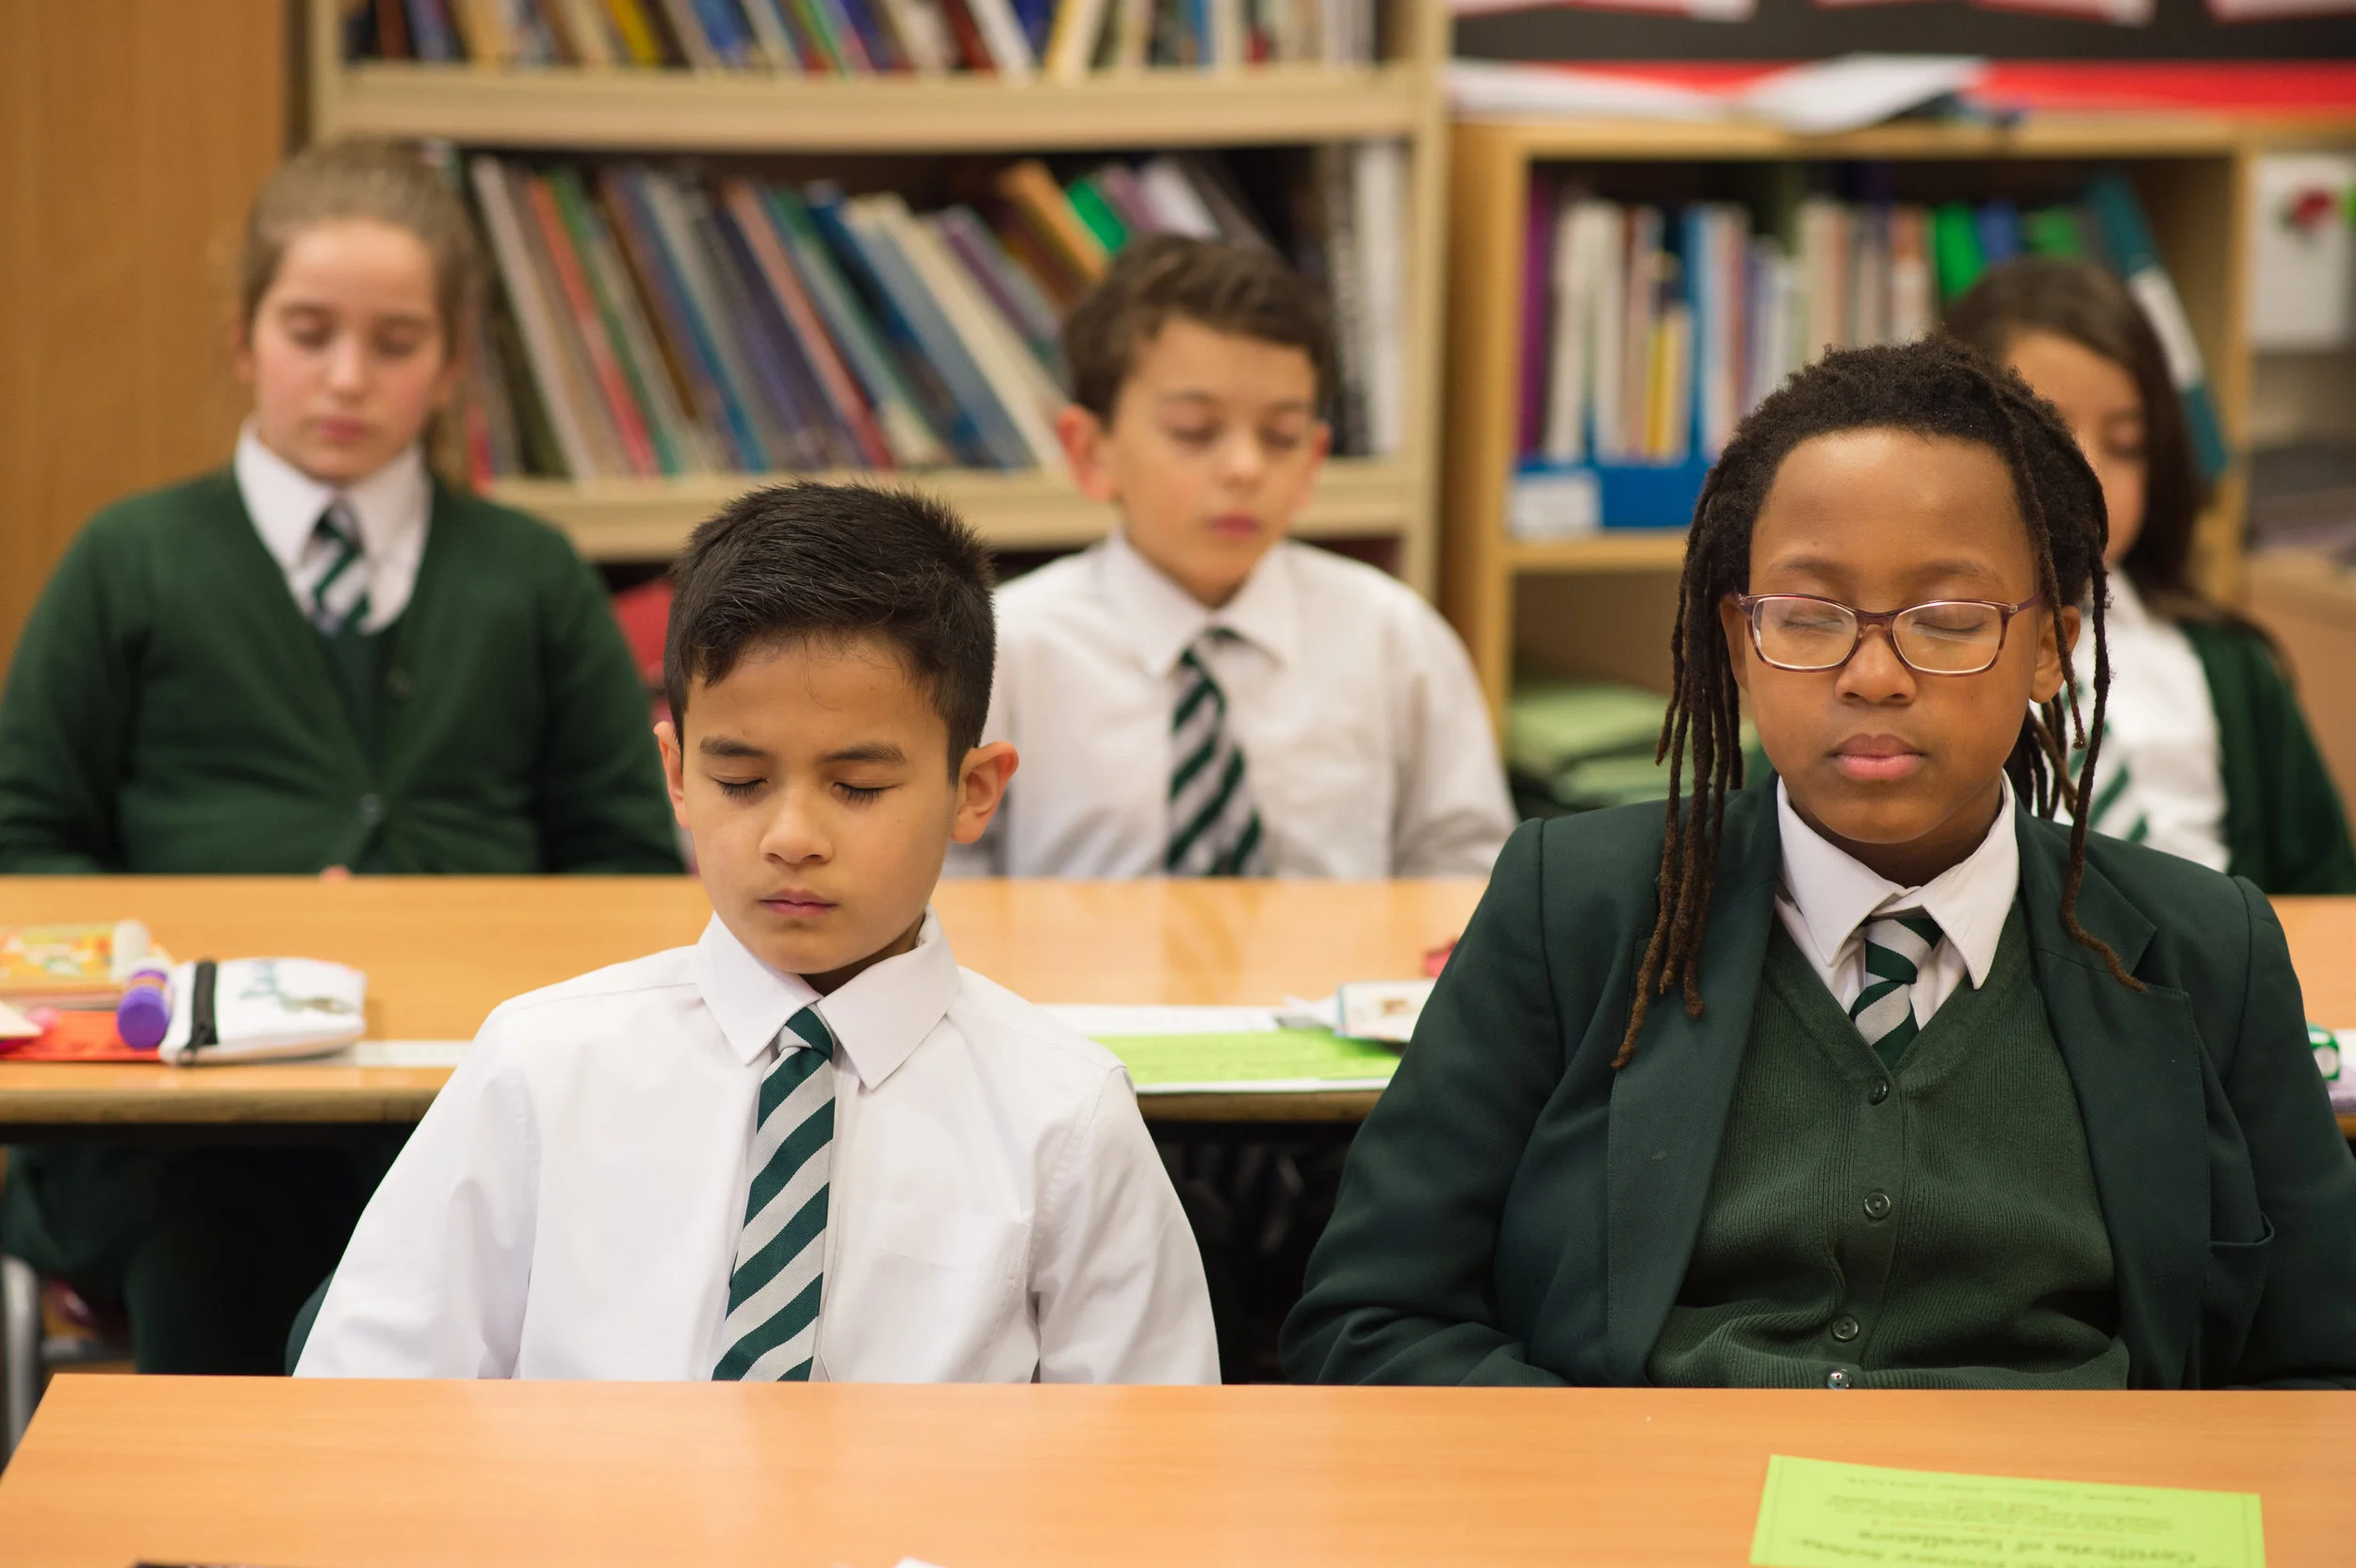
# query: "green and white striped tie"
{"points": [[339, 599], [772, 1329], [2112, 812], [1896, 948], [1213, 827]]}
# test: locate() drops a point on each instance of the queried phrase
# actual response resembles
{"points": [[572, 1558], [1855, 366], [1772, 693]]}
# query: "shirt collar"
{"points": [[1163, 620], [390, 505], [877, 1018], [1835, 894]]}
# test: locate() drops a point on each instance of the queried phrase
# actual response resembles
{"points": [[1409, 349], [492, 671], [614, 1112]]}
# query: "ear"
{"points": [[1083, 436], [674, 769], [2057, 635], [981, 788], [1736, 628]]}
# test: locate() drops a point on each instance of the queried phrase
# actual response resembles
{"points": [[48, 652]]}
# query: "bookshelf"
{"points": [[733, 114], [1600, 605]]}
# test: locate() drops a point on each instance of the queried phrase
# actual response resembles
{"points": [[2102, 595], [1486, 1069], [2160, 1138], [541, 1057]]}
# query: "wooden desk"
{"points": [[218, 1470], [441, 952]]}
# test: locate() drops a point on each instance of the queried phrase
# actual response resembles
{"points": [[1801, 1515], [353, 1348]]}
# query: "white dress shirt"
{"points": [[2161, 730], [1365, 742], [1825, 898], [569, 1205], [392, 507]]}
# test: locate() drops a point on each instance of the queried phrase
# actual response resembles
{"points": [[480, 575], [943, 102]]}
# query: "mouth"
{"points": [[1235, 525], [795, 904], [1876, 758], [342, 433]]}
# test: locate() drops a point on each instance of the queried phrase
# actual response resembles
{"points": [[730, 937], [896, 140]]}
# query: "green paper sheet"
{"points": [[1819, 1515], [1250, 1060]]}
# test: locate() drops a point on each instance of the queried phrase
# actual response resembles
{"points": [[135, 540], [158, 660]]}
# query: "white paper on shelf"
{"points": [[1852, 91], [1495, 90]]}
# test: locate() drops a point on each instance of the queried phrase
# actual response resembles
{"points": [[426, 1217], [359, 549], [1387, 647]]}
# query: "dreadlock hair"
{"points": [[1934, 388]]}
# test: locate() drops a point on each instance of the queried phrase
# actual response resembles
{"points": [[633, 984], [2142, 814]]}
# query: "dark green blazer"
{"points": [[2284, 827], [1515, 1212]]}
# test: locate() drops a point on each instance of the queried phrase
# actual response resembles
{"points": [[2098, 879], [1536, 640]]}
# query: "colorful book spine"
{"points": [[589, 327], [2128, 238], [850, 405]]}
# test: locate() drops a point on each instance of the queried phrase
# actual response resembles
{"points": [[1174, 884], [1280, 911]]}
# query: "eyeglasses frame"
{"points": [[1887, 620]]}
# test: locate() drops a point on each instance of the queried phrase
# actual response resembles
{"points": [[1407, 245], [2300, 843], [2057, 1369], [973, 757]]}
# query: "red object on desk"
{"points": [[75, 1035]]}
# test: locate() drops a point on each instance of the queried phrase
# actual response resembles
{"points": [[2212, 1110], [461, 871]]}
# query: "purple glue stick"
{"points": [[144, 1013]]}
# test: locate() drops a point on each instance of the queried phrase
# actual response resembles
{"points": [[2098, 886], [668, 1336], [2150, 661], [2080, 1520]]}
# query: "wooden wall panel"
{"points": [[133, 133]]}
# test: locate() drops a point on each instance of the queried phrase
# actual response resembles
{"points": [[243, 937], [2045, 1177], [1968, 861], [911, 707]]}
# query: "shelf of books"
{"points": [[737, 239], [1619, 299]]}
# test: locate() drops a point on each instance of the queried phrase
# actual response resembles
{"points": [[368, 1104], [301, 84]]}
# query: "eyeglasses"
{"points": [[1796, 631]]}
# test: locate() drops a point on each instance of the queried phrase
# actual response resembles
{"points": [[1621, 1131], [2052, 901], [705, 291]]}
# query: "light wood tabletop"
{"points": [[116, 1470], [440, 953]]}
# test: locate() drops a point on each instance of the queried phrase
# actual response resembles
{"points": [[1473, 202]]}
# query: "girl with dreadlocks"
{"points": [[1868, 1074], [2208, 755]]}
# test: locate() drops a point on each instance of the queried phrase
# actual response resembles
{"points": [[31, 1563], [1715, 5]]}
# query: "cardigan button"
{"points": [[1845, 1329], [1877, 1204], [371, 810], [1840, 1377], [1880, 1092], [398, 684]]}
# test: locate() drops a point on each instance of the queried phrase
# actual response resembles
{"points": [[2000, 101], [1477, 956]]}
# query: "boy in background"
{"points": [[1198, 695], [810, 1146]]}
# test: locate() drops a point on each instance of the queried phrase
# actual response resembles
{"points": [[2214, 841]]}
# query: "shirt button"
{"points": [[1845, 1329], [371, 810], [1878, 1093], [1877, 1204], [1840, 1378]]}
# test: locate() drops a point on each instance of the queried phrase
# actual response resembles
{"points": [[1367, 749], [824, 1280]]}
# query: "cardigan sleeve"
{"points": [[65, 714], [1400, 1288], [2284, 827], [2304, 1332], [602, 806]]}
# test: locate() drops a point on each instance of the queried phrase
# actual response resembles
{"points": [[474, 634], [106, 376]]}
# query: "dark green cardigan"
{"points": [[1515, 1212], [2284, 827], [171, 710]]}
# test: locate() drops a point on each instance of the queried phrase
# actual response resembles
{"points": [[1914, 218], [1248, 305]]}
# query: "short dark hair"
{"points": [[2084, 303], [1935, 387], [807, 561], [1245, 290]]}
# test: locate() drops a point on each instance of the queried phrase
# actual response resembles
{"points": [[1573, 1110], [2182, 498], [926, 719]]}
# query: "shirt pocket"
{"points": [[933, 1296]]}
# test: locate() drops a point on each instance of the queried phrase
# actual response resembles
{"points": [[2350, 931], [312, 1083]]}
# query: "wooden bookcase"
{"points": [[1601, 606], [1391, 499]]}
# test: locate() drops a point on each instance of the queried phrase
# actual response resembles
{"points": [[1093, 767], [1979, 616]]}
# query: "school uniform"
{"points": [[250, 672], [976, 1196], [2054, 1180], [1364, 743], [2206, 754]]}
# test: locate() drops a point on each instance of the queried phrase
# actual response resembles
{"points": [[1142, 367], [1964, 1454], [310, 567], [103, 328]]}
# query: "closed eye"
{"points": [[859, 795], [738, 789]]}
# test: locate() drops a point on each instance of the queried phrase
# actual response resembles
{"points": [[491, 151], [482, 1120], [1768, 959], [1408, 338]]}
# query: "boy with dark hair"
{"points": [[1199, 695], [810, 1146]]}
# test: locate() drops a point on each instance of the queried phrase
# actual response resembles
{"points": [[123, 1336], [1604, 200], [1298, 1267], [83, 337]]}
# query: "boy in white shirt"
{"points": [[1199, 696], [810, 1146]]}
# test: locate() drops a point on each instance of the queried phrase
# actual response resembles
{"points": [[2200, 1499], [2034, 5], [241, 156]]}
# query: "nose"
{"points": [[1875, 673], [1240, 460], [794, 834], [347, 364]]}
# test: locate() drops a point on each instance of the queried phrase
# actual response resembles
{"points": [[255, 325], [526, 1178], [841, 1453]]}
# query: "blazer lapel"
{"points": [[2135, 1060], [1669, 1105]]}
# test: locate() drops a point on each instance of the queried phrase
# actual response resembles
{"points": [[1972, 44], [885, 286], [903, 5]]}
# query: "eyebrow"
{"points": [[723, 745], [1821, 566], [1290, 405], [385, 318], [870, 751]]}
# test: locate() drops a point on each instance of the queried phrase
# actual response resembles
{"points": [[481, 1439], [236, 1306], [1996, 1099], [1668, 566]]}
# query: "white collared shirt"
{"points": [[571, 1203], [1366, 744], [392, 507], [1825, 898], [2160, 734]]}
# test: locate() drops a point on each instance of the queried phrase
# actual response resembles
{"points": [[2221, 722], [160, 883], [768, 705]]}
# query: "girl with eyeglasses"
{"points": [[2209, 756], [1868, 1074]]}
